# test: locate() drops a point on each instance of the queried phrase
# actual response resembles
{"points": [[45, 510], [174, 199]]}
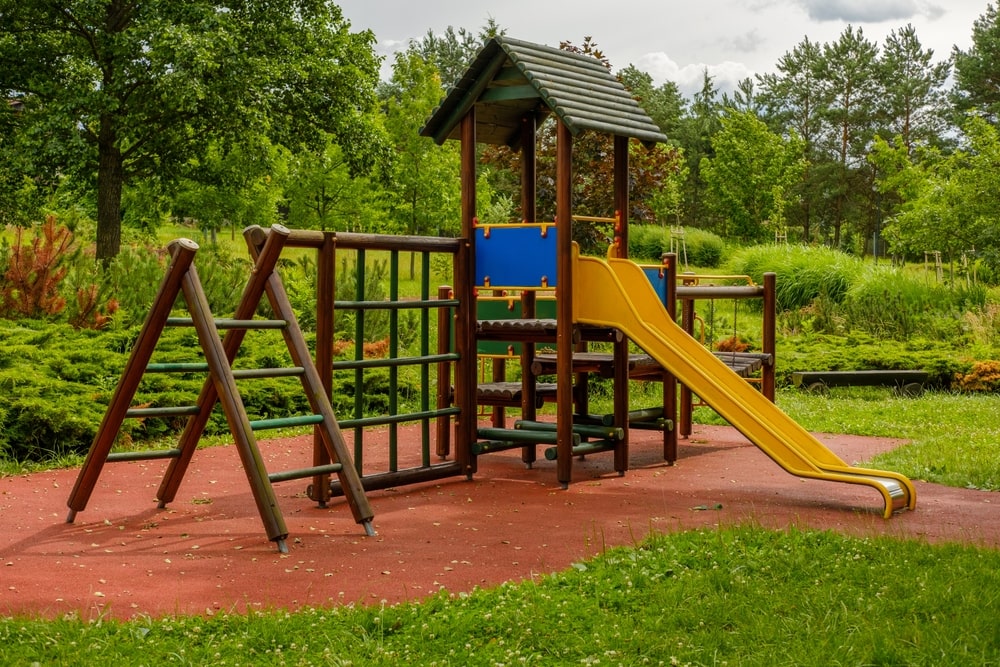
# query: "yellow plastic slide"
{"points": [[616, 293]]}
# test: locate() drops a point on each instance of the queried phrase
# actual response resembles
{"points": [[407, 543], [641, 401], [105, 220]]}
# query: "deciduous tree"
{"points": [[123, 89]]}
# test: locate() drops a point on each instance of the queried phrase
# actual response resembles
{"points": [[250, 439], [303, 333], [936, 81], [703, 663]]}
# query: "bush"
{"points": [[803, 272], [700, 248]]}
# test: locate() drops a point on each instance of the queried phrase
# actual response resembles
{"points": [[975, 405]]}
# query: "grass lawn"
{"points": [[739, 595]]}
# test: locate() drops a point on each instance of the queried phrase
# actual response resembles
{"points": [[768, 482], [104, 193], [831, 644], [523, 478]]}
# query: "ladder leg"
{"points": [[239, 424], [329, 430], [182, 251]]}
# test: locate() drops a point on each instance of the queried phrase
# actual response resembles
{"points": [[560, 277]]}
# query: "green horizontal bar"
{"points": [[144, 456], [525, 436], [177, 368], [286, 422], [384, 420], [397, 305], [299, 473], [229, 323], [490, 446], [400, 361], [173, 411], [592, 447], [586, 430], [251, 373], [240, 373], [655, 425]]}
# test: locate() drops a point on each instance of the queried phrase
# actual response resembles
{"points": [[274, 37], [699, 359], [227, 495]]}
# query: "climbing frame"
{"points": [[220, 387]]}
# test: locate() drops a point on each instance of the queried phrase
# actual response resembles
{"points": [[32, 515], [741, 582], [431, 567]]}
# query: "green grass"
{"points": [[732, 596], [954, 438]]}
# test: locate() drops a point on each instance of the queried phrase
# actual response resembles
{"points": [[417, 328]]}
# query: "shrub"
{"points": [[700, 248], [983, 376], [804, 272]]}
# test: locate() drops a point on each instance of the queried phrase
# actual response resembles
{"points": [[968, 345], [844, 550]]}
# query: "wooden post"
{"points": [[768, 342], [669, 381], [326, 290], [564, 304], [465, 325], [621, 391]]}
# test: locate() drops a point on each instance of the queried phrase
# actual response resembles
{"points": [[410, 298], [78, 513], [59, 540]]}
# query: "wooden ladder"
{"points": [[220, 386]]}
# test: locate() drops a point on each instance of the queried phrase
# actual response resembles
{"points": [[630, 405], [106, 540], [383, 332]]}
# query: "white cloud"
{"points": [[689, 77], [869, 11]]}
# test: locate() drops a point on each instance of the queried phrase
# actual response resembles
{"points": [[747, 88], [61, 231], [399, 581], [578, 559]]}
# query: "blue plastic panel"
{"points": [[658, 279], [516, 256]]}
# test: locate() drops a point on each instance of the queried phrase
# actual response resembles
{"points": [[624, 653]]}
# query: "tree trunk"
{"points": [[110, 177]]}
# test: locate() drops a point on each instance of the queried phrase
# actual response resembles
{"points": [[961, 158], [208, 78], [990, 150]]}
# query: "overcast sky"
{"points": [[675, 40]]}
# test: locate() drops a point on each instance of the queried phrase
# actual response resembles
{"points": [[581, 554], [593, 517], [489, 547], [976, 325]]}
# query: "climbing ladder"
{"points": [[220, 386]]}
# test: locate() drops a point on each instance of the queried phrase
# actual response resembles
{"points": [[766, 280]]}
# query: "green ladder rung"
{"points": [[148, 455], [175, 411], [229, 323], [285, 422], [176, 368], [239, 374], [299, 473]]}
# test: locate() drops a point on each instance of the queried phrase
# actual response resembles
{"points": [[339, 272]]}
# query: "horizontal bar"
{"points": [[396, 305], [384, 420], [592, 447], [388, 480], [148, 455], [242, 373], [720, 292], [254, 373], [299, 473], [492, 446], [585, 430], [172, 411], [308, 238], [526, 436], [399, 361], [177, 368], [286, 422], [228, 323]]}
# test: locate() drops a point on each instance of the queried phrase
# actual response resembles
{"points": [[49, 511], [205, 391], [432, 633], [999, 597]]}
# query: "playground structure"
{"points": [[508, 90]]}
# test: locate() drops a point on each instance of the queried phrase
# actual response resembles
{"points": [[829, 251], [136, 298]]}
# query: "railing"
{"points": [[329, 247]]}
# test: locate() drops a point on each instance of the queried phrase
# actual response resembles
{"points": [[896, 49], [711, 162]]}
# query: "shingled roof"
{"points": [[510, 78]]}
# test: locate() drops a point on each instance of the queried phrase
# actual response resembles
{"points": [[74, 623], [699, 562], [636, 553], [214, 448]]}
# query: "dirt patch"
{"points": [[207, 552]]}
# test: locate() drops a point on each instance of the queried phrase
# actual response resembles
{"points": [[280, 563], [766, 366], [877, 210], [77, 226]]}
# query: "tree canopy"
{"points": [[118, 90]]}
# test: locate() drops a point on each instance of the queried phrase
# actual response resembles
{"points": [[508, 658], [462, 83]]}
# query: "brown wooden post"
{"points": [[564, 304], [465, 326], [529, 194], [326, 290], [621, 388], [768, 342], [669, 381]]}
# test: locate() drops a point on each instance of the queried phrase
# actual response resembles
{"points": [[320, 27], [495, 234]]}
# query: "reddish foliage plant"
{"points": [[31, 282]]}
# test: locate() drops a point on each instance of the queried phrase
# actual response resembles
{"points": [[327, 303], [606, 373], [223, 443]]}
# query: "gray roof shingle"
{"points": [[511, 78]]}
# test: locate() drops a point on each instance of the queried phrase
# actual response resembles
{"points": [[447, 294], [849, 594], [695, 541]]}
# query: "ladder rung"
{"points": [[305, 472], [285, 422], [177, 368], [242, 373], [229, 323], [291, 371], [173, 411], [144, 456]]}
